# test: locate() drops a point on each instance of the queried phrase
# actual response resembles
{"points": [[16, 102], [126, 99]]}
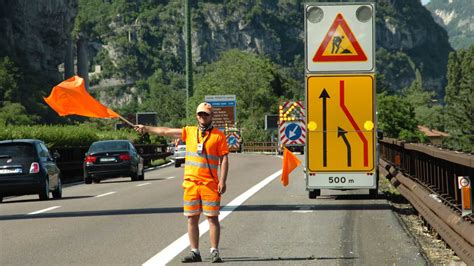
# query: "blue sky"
{"points": [[424, 2]]}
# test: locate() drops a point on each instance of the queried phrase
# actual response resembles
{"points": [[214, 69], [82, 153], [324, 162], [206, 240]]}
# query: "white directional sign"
{"points": [[292, 133], [340, 38]]}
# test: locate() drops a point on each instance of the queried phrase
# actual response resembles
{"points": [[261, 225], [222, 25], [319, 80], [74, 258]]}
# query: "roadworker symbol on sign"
{"points": [[293, 131], [339, 44]]}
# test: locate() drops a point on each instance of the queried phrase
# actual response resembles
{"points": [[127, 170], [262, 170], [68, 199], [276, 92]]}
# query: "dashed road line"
{"points": [[44, 210], [105, 194], [170, 177], [144, 184]]}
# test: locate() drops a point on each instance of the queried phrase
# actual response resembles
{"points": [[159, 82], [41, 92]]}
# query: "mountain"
{"points": [[407, 38], [134, 40], [457, 17]]}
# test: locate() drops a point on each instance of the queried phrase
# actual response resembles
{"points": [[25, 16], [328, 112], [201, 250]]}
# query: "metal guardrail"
{"points": [[427, 177], [253, 146], [432, 167]]}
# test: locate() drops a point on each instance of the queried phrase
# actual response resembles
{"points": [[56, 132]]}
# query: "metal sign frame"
{"points": [[326, 13]]}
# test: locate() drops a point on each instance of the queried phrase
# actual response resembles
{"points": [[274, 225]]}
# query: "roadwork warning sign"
{"points": [[340, 44]]}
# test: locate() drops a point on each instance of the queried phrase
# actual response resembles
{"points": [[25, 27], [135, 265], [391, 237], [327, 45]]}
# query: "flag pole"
{"points": [[126, 121]]}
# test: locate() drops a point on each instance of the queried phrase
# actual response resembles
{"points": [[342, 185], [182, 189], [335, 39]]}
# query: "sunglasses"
{"points": [[203, 114]]}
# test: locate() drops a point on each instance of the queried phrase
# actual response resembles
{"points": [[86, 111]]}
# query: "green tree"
{"points": [[396, 118], [9, 75], [15, 114], [427, 113], [459, 100], [167, 97], [253, 79]]}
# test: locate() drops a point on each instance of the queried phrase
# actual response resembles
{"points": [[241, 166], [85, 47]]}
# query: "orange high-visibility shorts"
{"points": [[199, 197]]}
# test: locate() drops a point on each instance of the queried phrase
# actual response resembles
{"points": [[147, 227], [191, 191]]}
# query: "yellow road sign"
{"points": [[340, 117]]}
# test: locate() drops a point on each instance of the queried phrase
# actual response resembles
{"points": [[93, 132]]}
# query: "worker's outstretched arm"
{"points": [[162, 131]]}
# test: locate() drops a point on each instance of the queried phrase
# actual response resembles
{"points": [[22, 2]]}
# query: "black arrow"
{"points": [[324, 95], [342, 132]]}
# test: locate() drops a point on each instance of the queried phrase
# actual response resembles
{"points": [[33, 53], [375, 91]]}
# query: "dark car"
{"points": [[27, 167], [112, 158]]}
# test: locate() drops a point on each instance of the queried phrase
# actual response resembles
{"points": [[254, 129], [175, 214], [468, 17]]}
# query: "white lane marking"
{"points": [[303, 211], [144, 184], [44, 210], [170, 177], [171, 251], [105, 194]]}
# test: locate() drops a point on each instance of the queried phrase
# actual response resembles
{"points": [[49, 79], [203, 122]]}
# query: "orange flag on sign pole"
{"points": [[71, 98], [290, 162]]}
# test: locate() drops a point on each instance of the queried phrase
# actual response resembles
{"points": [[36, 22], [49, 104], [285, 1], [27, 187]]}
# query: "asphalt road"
{"points": [[119, 222]]}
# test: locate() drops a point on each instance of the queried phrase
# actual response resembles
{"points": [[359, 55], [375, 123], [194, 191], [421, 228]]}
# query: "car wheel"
{"points": [[44, 192], [96, 181], [58, 192], [177, 164], [142, 175], [87, 179], [314, 193], [1, 198], [134, 175]]}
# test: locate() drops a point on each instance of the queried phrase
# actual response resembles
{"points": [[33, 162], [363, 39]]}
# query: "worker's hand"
{"points": [[221, 187], [142, 129]]}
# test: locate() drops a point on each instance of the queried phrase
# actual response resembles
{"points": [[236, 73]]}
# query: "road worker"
{"points": [[206, 150]]}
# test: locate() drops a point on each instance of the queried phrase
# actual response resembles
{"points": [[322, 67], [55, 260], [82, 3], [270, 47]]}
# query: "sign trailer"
{"points": [[341, 150]]}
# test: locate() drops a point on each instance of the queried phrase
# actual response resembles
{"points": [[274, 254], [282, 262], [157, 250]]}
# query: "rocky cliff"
{"points": [[145, 36], [34, 34], [457, 17], [407, 37]]}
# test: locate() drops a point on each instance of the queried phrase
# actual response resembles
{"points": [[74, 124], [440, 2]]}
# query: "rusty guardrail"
{"points": [[427, 177], [254, 146], [432, 167]]}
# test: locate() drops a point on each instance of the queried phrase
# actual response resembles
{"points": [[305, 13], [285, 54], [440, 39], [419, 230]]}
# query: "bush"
{"points": [[72, 136]]}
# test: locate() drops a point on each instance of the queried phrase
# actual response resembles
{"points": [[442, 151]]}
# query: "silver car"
{"points": [[179, 153]]}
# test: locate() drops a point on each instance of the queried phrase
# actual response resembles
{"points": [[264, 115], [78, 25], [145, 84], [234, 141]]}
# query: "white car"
{"points": [[179, 153]]}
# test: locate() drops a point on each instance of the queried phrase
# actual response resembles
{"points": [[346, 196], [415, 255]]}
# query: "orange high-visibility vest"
{"points": [[202, 167]]}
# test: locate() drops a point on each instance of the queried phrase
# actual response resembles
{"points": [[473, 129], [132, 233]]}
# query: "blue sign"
{"points": [[232, 140], [293, 131]]}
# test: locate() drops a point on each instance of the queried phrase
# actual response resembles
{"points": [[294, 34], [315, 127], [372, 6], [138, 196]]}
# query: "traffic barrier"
{"points": [[452, 228], [253, 146], [427, 177], [435, 169]]}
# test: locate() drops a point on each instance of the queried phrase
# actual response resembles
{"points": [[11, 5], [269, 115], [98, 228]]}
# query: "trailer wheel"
{"points": [[373, 193], [314, 193]]}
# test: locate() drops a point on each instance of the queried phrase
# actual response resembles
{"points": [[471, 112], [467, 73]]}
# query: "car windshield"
{"points": [[109, 146], [23, 150]]}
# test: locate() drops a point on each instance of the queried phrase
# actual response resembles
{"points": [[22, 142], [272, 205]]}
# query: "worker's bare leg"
{"points": [[214, 230], [193, 231]]}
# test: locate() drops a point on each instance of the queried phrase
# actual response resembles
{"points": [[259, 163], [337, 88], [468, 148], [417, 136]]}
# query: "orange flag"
{"points": [[290, 162], [71, 98]]}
